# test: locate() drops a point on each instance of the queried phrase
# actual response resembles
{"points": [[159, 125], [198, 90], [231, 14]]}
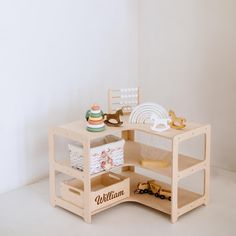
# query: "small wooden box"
{"points": [[106, 189]]}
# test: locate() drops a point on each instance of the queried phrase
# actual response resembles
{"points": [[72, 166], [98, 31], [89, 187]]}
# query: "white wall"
{"points": [[56, 58], [187, 56]]}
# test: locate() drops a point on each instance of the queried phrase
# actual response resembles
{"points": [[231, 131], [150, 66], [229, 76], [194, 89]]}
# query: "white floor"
{"points": [[27, 211]]}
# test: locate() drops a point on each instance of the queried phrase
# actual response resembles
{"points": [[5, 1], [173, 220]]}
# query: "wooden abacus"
{"points": [[125, 99]]}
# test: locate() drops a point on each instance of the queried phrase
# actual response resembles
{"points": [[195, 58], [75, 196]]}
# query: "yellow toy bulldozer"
{"points": [[151, 187]]}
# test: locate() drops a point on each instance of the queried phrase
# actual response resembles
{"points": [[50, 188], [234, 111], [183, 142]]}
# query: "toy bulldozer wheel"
{"points": [[141, 191], [145, 191], [156, 195], [169, 198], [162, 197]]}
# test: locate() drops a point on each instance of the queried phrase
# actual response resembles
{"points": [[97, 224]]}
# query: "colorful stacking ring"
{"points": [[96, 129], [95, 126]]}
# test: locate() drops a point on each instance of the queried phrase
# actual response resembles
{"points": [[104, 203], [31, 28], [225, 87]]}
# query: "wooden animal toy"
{"points": [[176, 122], [159, 124], [109, 118], [153, 188]]}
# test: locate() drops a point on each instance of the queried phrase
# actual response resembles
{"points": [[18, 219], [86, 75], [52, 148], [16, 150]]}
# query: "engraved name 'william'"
{"points": [[108, 196]]}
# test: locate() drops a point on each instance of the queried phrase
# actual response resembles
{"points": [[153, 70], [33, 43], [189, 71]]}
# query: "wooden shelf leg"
{"points": [[128, 135], [131, 135], [207, 169], [174, 181], [87, 182], [128, 168], [52, 172], [87, 218]]}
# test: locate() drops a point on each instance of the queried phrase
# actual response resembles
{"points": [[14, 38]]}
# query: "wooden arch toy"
{"points": [[145, 113]]}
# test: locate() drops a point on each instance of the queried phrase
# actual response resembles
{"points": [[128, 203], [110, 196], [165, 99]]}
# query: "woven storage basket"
{"points": [[105, 153]]}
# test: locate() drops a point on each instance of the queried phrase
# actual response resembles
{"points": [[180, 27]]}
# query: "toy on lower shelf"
{"points": [[155, 163], [94, 117], [176, 122], [116, 116], [151, 187]]}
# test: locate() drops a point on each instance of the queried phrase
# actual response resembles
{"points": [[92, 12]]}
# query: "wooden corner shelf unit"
{"points": [[181, 166]]}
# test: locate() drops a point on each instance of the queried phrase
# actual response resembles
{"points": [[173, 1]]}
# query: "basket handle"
{"points": [[114, 176], [74, 190]]}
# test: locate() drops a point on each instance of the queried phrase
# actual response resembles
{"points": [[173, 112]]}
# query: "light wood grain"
{"points": [[135, 152], [180, 167], [78, 129], [184, 197], [108, 183], [52, 174], [174, 181], [87, 181]]}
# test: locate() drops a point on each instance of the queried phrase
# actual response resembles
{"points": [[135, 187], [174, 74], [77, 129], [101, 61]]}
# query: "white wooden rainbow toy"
{"points": [[150, 113]]}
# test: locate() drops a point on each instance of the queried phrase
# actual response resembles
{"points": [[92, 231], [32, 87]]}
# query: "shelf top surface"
{"points": [[79, 128]]}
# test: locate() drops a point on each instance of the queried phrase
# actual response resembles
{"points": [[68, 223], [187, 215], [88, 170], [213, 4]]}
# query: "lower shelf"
{"points": [[187, 200], [184, 197]]}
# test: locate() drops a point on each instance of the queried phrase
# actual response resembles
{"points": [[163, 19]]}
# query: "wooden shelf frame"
{"points": [[186, 165], [185, 197], [177, 175], [181, 166], [132, 157]]}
